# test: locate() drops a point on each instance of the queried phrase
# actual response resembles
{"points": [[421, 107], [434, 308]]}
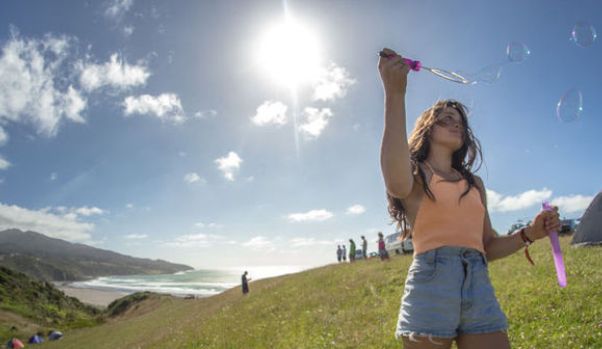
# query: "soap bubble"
{"points": [[489, 74], [517, 52], [583, 34], [570, 106]]}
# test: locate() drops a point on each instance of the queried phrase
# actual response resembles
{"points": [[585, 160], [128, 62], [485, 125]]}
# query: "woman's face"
{"points": [[448, 129]]}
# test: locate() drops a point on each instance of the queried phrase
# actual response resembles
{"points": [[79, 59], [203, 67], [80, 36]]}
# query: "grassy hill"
{"points": [[27, 306], [356, 306]]}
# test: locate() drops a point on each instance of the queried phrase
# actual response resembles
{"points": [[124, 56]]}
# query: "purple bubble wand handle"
{"points": [[556, 252], [414, 65]]}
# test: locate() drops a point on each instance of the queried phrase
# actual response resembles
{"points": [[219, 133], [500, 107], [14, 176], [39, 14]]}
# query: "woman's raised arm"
{"points": [[395, 154]]}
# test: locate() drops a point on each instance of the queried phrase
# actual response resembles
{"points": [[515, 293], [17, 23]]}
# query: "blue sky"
{"points": [[151, 128]]}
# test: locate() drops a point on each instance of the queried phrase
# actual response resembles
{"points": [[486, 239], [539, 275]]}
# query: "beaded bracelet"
{"points": [[527, 242]]}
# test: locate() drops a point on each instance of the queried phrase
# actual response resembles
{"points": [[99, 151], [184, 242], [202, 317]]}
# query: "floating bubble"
{"points": [[583, 34], [489, 74], [517, 52], [570, 106]]}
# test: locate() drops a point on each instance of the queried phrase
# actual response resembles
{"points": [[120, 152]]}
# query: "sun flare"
{"points": [[289, 53]]}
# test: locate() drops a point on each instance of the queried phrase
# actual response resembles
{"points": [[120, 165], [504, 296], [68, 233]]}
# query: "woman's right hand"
{"points": [[393, 72]]}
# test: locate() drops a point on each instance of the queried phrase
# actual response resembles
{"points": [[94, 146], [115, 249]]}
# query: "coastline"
{"points": [[96, 297], [200, 283]]}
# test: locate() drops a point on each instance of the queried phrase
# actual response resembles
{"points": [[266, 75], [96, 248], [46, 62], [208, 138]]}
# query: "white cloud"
{"points": [[189, 240], [302, 242], [229, 164], [315, 120], [117, 8], [572, 203], [53, 176], [356, 209], [260, 243], [129, 205], [504, 203], [62, 227], [193, 177], [74, 104], [166, 106], [128, 30], [75, 212], [208, 225], [88, 211], [334, 83], [4, 164], [270, 113], [33, 84], [136, 236], [3, 136], [205, 114], [313, 215], [197, 240], [115, 73]]}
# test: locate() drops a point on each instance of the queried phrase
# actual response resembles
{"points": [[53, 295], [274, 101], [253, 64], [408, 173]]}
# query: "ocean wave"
{"points": [[192, 282]]}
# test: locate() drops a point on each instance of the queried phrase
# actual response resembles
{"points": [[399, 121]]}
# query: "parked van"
{"points": [[394, 244]]}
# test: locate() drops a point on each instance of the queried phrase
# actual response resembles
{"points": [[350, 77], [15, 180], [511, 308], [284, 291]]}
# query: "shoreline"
{"points": [[96, 297], [101, 291]]}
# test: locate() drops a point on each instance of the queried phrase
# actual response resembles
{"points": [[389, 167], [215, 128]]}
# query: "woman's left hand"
{"points": [[543, 224]]}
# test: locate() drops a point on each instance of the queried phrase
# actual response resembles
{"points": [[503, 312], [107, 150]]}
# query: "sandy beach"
{"points": [[100, 298]]}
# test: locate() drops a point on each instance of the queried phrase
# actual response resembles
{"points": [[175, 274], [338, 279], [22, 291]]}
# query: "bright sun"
{"points": [[289, 53]]}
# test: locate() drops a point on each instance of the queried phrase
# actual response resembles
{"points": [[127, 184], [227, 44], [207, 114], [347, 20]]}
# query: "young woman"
{"points": [[431, 188]]}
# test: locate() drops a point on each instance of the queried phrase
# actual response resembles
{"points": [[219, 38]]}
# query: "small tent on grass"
{"points": [[55, 335], [15, 343], [589, 230], [35, 339]]}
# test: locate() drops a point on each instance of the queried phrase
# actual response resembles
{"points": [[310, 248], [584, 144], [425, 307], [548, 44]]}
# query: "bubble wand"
{"points": [[416, 65], [556, 252]]}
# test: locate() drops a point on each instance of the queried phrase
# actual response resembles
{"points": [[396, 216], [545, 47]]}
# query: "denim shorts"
{"points": [[448, 293]]}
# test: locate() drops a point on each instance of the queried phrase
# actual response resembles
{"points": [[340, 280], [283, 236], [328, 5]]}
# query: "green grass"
{"points": [[356, 306], [121, 305], [28, 305]]}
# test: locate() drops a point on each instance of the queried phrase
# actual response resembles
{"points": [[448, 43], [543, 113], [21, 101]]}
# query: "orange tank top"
{"points": [[447, 221]]}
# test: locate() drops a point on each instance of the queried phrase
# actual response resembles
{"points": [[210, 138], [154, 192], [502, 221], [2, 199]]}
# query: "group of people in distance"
{"points": [[342, 250], [341, 256]]}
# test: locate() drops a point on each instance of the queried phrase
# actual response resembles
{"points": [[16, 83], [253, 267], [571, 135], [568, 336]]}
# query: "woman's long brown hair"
{"points": [[419, 143]]}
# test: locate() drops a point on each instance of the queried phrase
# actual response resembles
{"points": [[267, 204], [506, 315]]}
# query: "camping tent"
{"points": [[35, 339], [589, 230], [55, 335], [14, 343]]}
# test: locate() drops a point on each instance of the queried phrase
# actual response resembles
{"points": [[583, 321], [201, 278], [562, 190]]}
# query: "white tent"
{"points": [[589, 230]]}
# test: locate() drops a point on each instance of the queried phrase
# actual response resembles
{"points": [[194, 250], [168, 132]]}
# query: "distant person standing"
{"points": [[351, 250], [339, 253], [245, 282], [344, 253], [364, 247], [382, 251]]}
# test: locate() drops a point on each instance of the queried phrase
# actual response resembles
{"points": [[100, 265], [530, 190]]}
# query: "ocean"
{"points": [[200, 283]]}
